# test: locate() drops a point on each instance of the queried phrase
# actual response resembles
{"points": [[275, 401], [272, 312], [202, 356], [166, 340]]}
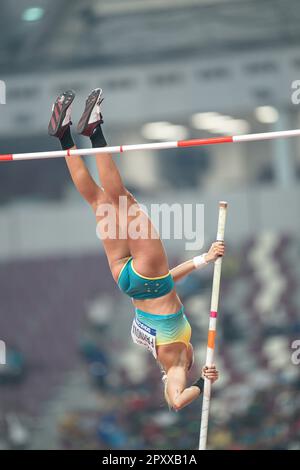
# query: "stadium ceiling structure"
{"points": [[76, 33]]}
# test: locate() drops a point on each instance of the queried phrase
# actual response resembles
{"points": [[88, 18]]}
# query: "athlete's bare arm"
{"points": [[184, 269]]}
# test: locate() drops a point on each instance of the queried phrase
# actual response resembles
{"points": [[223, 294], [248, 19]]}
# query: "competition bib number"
{"points": [[144, 335]]}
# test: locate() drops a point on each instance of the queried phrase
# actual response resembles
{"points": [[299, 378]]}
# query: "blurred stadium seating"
{"points": [[112, 396]]}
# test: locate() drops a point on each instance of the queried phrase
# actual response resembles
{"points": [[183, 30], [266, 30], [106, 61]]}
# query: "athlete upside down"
{"points": [[139, 265]]}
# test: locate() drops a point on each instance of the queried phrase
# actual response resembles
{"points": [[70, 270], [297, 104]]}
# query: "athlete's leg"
{"points": [[60, 127], [116, 249], [176, 361], [83, 180], [176, 394], [143, 240], [144, 243]]}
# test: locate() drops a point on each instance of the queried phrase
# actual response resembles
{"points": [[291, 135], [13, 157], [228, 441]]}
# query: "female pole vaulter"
{"points": [[139, 265]]}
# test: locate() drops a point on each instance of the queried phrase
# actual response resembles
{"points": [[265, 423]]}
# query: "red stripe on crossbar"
{"points": [[197, 142], [6, 158], [56, 112]]}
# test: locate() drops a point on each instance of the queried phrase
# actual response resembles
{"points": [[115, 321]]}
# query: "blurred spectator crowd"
{"points": [[78, 325]]}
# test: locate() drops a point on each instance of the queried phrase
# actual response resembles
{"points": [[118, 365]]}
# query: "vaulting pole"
{"points": [[212, 329]]}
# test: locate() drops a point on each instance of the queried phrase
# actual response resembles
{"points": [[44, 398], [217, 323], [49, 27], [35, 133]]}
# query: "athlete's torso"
{"points": [[169, 303], [159, 315], [164, 305]]}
